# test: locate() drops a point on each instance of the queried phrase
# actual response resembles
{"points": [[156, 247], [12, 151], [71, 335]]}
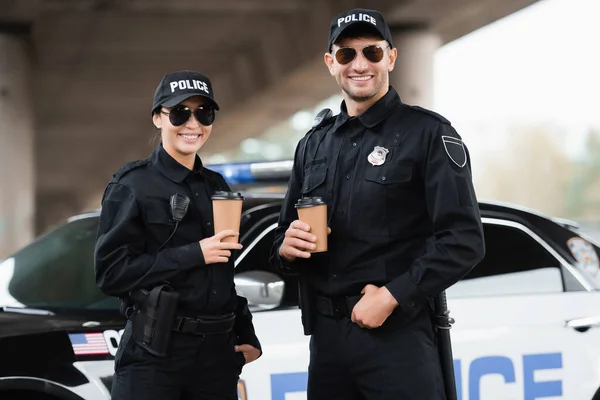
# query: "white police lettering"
{"points": [[359, 17], [187, 84]]}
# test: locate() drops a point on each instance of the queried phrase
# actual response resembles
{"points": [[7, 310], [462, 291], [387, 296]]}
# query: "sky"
{"points": [[539, 66]]}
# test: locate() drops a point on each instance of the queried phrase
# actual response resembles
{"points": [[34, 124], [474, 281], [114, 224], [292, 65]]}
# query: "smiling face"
{"points": [[183, 142], [363, 82]]}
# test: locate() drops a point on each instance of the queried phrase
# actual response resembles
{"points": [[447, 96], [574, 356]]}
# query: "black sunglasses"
{"points": [[181, 114], [373, 53]]}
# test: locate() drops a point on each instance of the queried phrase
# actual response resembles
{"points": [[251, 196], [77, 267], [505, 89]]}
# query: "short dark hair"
{"points": [[359, 31]]}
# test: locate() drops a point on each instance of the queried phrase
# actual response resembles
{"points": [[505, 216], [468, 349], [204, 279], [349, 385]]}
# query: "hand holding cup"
{"points": [[307, 234], [298, 242], [216, 250]]}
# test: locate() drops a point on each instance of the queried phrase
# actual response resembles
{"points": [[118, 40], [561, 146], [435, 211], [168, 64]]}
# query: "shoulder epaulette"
{"points": [[322, 119], [432, 113], [128, 167]]}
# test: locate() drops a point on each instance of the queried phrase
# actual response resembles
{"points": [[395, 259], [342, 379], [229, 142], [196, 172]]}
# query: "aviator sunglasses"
{"points": [[372, 53], [180, 114]]}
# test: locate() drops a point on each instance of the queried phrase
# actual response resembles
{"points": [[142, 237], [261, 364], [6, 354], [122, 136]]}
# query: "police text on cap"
{"points": [[187, 84], [354, 17]]}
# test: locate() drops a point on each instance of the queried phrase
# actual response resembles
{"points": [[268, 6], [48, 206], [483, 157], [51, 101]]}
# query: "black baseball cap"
{"points": [[175, 87], [370, 18]]}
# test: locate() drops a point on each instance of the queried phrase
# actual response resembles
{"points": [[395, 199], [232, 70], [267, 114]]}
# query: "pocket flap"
{"points": [[391, 173], [315, 173], [158, 212], [312, 181]]}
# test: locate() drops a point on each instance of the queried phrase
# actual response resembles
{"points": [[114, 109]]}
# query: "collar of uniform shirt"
{"points": [[171, 168], [375, 114]]}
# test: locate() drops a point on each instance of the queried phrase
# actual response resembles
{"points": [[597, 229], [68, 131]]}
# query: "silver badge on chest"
{"points": [[377, 156]]}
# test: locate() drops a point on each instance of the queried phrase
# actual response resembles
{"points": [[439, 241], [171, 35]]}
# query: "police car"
{"points": [[527, 317]]}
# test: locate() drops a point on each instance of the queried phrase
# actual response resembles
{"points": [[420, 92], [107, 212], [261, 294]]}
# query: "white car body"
{"points": [[514, 335], [527, 318]]}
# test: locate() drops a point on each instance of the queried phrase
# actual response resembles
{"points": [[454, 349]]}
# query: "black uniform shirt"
{"points": [[401, 203], [136, 221]]}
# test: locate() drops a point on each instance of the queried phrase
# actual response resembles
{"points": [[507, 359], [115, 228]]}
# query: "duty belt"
{"points": [[336, 307], [204, 325]]}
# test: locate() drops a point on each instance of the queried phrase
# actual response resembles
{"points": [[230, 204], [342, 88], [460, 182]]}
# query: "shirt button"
{"points": [[397, 134], [395, 140], [334, 276], [412, 304], [196, 194], [348, 177], [341, 212], [354, 144], [208, 224], [383, 178], [214, 292]]}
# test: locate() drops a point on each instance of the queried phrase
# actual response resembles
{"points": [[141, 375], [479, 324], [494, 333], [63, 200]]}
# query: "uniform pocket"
{"points": [[390, 174], [159, 222], [158, 212], [315, 174], [124, 354], [237, 357], [383, 196]]}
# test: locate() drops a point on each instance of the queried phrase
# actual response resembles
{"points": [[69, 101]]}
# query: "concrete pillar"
{"points": [[17, 187], [412, 76]]}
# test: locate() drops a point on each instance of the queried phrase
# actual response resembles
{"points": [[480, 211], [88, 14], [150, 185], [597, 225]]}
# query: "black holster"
{"points": [[153, 318]]}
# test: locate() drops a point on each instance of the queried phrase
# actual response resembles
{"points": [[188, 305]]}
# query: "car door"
{"points": [[512, 338]]}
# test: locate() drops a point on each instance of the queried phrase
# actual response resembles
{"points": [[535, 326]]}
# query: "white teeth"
{"points": [[360, 78], [191, 137]]}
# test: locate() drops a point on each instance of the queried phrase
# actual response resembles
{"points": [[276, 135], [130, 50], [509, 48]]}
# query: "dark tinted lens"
{"points": [[179, 115], [205, 115], [373, 53], [345, 55]]}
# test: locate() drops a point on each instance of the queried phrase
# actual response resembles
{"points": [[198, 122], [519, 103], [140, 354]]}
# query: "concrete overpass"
{"points": [[77, 78]]}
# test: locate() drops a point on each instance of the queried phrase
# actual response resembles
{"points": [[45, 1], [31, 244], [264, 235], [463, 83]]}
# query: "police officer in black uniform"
{"points": [[188, 334], [404, 226]]}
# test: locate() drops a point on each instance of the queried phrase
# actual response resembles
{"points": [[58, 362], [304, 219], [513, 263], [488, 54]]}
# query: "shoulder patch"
{"points": [[128, 167], [455, 149], [437, 116]]}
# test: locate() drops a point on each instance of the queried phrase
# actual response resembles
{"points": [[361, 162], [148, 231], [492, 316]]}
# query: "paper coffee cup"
{"points": [[227, 213], [313, 212]]}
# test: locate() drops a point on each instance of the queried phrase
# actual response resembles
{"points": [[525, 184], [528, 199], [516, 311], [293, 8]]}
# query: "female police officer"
{"points": [[156, 243]]}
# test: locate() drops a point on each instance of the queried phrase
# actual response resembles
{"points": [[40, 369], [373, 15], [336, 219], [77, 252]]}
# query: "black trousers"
{"points": [[197, 368], [398, 361]]}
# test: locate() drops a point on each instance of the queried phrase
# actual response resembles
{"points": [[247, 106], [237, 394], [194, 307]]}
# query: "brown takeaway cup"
{"points": [[227, 213], [313, 211]]}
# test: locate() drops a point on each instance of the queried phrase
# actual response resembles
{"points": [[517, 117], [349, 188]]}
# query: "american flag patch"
{"points": [[88, 343]]}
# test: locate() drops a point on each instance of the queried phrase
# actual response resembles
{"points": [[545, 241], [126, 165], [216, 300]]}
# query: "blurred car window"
{"points": [[56, 271], [514, 263]]}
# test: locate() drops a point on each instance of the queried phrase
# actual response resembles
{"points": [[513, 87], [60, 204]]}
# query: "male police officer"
{"points": [[405, 225]]}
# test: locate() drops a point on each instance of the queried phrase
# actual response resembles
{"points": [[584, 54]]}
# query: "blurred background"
{"points": [[518, 79]]}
